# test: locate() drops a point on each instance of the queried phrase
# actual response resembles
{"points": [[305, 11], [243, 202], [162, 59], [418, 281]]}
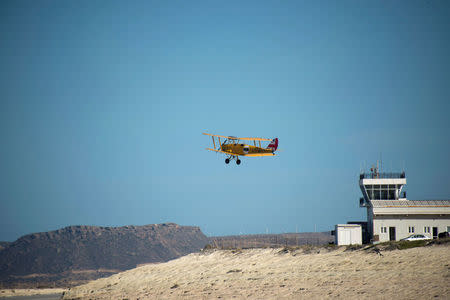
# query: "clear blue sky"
{"points": [[103, 104]]}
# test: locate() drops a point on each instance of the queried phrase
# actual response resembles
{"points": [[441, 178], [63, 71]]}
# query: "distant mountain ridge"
{"points": [[114, 249]]}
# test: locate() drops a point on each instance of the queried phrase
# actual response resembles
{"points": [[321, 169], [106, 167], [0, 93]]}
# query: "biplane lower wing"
{"points": [[248, 155], [229, 153], [259, 154]]}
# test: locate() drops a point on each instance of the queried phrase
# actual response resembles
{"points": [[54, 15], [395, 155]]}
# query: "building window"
{"points": [[382, 192], [448, 228], [369, 191], [411, 229], [376, 194], [383, 229], [391, 195], [426, 229]]}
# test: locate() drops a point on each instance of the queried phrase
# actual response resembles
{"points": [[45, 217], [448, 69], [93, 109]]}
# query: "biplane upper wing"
{"points": [[222, 136], [255, 139], [239, 138]]}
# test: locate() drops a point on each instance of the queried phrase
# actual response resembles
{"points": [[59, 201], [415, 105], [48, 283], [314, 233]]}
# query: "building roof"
{"points": [[348, 225], [410, 207], [410, 203]]}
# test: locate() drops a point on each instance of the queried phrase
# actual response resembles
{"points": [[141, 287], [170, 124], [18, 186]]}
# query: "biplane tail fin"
{"points": [[273, 145]]}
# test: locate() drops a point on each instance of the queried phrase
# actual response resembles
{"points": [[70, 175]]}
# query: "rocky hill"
{"points": [[77, 253]]}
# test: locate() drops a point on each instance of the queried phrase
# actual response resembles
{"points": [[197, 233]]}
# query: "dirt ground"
{"points": [[416, 273], [29, 292]]}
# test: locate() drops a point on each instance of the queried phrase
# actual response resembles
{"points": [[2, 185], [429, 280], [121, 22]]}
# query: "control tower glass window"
{"points": [[376, 194], [391, 192], [369, 189], [381, 192]]}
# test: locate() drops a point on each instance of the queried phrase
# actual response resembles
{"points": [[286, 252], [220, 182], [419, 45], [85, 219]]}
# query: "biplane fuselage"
{"points": [[235, 147], [245, 150]]}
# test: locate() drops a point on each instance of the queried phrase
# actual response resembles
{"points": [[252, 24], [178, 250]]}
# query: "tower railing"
{"points": [[373, 175]]}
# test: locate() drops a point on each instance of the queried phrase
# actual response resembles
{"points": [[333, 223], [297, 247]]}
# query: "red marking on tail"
{"points": [[273, 145]]}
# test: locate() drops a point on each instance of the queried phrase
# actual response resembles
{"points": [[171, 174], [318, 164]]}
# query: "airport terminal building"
{"points": [[391, 217]]}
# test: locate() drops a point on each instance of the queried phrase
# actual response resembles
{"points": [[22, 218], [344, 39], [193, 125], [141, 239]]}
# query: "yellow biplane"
{"points": [[233, 147]]}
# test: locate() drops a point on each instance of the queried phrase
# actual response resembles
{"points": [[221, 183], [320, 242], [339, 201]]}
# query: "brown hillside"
{"points": [[69, 252]]}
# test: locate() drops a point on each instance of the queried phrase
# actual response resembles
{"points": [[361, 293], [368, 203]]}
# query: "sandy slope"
{"points": [[418, 273]]}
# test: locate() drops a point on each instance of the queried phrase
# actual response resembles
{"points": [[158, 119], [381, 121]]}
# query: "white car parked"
{"points": [[416, 237]]}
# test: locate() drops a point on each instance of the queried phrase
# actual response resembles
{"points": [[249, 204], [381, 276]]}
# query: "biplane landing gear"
{"points": [[232, 157]]}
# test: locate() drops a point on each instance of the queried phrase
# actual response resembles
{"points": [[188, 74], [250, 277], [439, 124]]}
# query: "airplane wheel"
{"points": [[238, 162], [227, 161]]}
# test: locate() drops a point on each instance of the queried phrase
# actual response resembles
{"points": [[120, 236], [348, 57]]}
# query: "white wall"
{"points": [[401, 227], [348, 234]]}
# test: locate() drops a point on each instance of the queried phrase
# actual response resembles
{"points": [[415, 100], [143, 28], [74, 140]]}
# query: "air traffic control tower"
{"points": [[390, 216]]}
